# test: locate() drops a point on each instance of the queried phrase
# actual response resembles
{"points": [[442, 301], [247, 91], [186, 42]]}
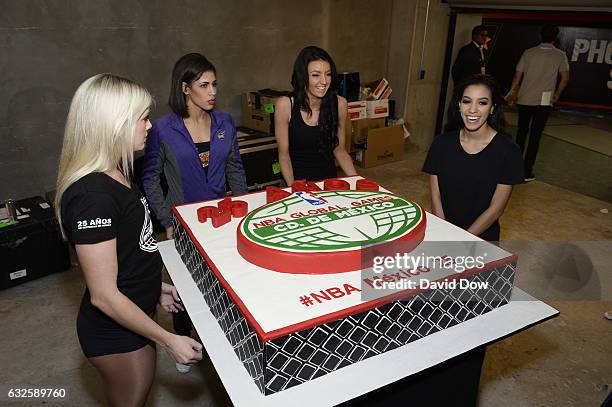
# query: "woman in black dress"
{"points": [[473, 166], [107, 220], [309, 124]]}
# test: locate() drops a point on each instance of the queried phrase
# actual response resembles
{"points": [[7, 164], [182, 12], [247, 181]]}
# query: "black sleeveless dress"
{"points": [[307, 161]]}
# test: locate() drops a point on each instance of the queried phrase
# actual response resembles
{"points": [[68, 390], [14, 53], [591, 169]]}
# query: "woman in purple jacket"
{"points": [[196, 149]]}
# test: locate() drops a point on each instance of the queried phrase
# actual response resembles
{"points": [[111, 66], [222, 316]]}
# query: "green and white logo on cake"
{"points": [[327, 221]]}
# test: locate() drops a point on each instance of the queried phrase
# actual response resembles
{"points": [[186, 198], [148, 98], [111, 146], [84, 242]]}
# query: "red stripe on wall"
{"points": [[581, 17]]}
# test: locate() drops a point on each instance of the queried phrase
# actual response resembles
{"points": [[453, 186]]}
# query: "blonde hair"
{"points": [[100, 128]]}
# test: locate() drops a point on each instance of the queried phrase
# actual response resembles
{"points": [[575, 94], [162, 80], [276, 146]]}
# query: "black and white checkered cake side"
{"points": [[295, 358], [236, 328]]}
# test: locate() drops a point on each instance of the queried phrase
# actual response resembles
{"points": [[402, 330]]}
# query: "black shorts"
{"points": [[99, 337]]}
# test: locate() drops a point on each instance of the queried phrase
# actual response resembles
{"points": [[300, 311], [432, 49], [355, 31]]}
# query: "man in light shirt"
{"points": [[472, 57], [538, 68]]}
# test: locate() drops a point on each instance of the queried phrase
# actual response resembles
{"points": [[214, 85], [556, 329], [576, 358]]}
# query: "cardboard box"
{"points": [[357, 110], [378, 88], [387, 93], [360, 128], [384, 145], [356, 131], [360, 104], [358, 114], [258, 110], [377, 108]]}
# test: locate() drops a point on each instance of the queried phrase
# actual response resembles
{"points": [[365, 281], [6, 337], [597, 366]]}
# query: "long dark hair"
{"points": [[187, 69], [495, 119], [328, 116]]}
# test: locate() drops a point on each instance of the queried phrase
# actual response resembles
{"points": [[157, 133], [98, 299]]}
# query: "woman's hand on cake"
{"points": [[169, 299], [170, 232], [184, 349]]}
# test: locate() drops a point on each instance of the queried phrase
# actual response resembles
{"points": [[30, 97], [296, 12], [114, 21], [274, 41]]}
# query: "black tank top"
{"points": [[307, 161]]}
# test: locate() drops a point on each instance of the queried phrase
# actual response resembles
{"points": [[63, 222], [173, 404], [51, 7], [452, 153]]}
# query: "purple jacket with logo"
{"points": [[170, 149]]}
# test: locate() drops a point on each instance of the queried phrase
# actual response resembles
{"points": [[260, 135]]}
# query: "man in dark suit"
{"points": [[471, 58]]}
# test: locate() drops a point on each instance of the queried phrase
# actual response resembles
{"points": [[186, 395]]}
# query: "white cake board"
{"points": [[333, 388]]}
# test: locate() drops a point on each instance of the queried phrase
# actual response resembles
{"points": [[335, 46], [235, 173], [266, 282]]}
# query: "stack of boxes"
{"points": [[377, 104], [368, 137]]}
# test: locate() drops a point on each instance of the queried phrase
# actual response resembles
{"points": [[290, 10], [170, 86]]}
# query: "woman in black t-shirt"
{"points": [[473, 166], [309, 124], [107, 220]]}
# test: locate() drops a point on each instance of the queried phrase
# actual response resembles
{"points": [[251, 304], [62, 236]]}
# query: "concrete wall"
{"points": [[400, 48], [463, 35], [428, 41], [359, 36], [49, 47]]}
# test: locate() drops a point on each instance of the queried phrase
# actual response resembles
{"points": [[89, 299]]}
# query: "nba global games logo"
{"points": [[325, 227]]}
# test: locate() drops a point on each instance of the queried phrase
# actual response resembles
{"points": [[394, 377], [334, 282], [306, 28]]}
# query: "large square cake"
{"points": [[292, 283]]}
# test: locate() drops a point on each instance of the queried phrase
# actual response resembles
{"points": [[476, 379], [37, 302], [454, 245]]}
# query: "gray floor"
{"points": [[564, 242], [575, 168], [575, 153]]}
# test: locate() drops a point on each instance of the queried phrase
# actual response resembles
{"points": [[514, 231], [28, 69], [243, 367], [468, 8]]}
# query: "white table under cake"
{"points": [[349, 382]]}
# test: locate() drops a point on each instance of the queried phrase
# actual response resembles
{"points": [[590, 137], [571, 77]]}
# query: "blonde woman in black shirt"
{"points": [[107, 220]]}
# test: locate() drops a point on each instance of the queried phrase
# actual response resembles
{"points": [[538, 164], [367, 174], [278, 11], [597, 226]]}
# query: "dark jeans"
{"points": [[532, 120]]}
